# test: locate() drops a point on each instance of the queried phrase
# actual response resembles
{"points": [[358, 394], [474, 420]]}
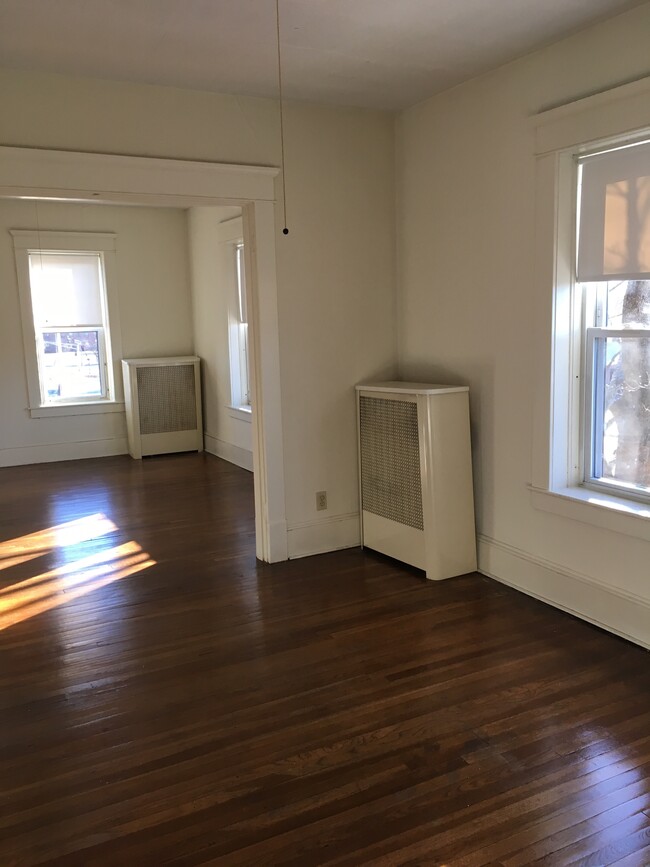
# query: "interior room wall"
{"points": [[466, 172], [227, 432], [336, 268], [336, 274], [155, 319]]}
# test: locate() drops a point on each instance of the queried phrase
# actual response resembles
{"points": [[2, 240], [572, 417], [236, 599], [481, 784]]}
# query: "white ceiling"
{"points": [[374, 53]]}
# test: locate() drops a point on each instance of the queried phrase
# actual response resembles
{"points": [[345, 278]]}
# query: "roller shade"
{"points": [[614, 232], [66, 288]]}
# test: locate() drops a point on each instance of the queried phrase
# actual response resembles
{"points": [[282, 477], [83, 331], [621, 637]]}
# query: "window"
{"points": [[239, 367], [70, 324], [613, 274], [65, 308], [591, 244]]}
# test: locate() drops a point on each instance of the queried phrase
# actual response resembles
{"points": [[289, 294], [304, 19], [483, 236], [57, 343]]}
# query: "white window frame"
{"points": [[231, 236], [104, 379], [239, 359], [562, 135], [592, 426], [104, 244]]}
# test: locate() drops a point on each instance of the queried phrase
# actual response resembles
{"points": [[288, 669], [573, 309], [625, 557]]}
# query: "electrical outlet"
{"points": [[321, 500]]}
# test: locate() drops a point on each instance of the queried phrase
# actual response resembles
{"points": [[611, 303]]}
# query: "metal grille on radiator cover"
{"points": [[390, 460], [167, 398]]}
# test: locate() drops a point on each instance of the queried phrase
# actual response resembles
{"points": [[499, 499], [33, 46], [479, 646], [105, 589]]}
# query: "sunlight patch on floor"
{"points": [[68, 581], [60, 536]]}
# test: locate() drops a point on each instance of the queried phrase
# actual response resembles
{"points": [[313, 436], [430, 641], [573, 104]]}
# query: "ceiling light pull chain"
{"points": [[285, 231]]}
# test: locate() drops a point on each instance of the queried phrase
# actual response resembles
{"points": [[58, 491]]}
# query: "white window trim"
{"points": [[561, 134], [240, 378], [96, 242], [243, 413], [231, 235], [592, 428], [75, 408]]}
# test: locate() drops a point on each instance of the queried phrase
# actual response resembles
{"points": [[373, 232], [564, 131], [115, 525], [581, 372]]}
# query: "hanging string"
{"points": [[40, 243], [285, 231]]}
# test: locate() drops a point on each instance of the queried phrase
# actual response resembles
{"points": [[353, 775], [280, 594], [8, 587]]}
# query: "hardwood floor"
{"points": [[165, 699]]}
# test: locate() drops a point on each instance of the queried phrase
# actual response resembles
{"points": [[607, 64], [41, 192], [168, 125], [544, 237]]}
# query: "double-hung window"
{"points": [[591, 340], [65, 308], [239, 366], [613, 285], [70, 325]]}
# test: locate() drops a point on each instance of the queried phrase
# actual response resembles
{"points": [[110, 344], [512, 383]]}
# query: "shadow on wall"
{"points": [[482, 425]]}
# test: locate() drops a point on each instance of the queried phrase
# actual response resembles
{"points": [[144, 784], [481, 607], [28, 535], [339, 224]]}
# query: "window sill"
{"points": [[243, 413], [70, 409], [600, 510]]}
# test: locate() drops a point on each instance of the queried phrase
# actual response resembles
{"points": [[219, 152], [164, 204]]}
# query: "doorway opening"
{"points": [[231, 310]]}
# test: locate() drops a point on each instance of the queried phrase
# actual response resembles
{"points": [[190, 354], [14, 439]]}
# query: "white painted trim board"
{"points": [[44, 454], [615, 610], [327, 534], [228, 452]]}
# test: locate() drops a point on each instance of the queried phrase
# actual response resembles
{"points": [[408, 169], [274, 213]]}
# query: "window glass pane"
{"points": [[70, 364], [241, 283], [66, 288], [628, 304], [622, 402], [243, 364]]}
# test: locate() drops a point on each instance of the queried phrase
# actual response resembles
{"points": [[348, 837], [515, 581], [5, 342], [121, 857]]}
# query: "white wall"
{"points": [[212, 271], [155, 319], [336, 269], [466, 245], [336, 275]]}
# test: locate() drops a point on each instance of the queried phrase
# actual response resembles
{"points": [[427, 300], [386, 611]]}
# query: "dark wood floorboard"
{"points": [[166, 699]]}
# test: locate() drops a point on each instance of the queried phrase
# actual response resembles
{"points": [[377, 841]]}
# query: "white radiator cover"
{"points": [[415, 469], [163, 405]]}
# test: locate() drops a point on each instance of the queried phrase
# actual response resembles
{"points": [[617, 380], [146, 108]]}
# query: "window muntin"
{"points": [[69, 310]]}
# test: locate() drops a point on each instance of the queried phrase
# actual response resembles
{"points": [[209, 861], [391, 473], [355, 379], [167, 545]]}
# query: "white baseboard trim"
{"points": [[278, 542], [328, 534], [615, 610], [19, 455], [229, 452]]}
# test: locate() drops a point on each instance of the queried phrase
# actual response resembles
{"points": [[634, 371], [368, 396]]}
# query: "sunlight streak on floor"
{"points": [[51, 589], [60, 536]]}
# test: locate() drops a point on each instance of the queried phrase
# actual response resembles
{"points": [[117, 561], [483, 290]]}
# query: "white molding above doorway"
{"points": [[113, 179], [143, 180]]}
